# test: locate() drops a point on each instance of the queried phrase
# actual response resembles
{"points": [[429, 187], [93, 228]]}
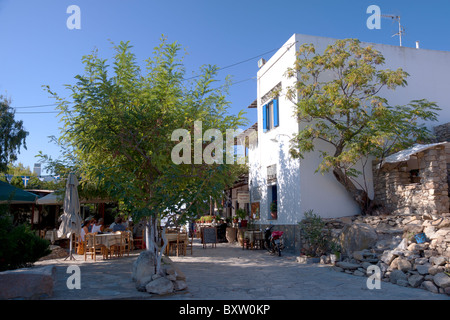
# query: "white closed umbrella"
{"points": [[71, 219]]}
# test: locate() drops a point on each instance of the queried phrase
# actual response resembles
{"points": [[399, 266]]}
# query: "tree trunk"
{"points": [[360, 196], [152, 240]]}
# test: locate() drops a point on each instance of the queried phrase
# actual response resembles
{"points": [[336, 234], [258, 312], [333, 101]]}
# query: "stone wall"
{"points": [[442, 132], [400, 259], [400, 191]]}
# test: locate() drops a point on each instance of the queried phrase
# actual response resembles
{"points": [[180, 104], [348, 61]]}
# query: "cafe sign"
{"points": [[243, 197]]}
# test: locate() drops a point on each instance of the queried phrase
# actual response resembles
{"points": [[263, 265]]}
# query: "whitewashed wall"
{"points": [[299, 187]]}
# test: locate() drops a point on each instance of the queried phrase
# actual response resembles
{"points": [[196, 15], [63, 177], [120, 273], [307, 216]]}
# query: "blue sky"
{"points": [[38, 48]]}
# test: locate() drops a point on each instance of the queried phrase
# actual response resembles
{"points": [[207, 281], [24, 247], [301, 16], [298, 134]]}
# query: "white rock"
{"points": [[160, 286], [179, 285]]}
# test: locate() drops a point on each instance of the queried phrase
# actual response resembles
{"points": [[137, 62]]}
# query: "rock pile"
{"points": [[170, 280], [400, 258], [56, 253]]}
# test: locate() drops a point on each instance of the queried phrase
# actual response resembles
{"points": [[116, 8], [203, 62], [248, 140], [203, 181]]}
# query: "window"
{"points": [[271, 115], [273, 202]]}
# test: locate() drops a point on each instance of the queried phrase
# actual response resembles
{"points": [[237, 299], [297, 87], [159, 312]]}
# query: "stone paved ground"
{"points": [[229, 273]]}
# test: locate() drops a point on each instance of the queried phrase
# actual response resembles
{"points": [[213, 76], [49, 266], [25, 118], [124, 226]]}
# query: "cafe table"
{"points": [[108, 239], [172, 239]]}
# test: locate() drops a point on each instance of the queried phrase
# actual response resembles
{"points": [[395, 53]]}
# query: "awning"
{"points": [[51, 199], [406, 154], [12, 195], [54, 199]]}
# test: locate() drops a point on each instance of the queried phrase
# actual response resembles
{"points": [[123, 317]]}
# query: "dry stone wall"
{"points": [[442, 132], [400, 192], [400, 259]]}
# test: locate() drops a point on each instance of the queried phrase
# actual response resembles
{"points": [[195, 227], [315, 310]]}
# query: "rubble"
{"points": [[397, 253]]}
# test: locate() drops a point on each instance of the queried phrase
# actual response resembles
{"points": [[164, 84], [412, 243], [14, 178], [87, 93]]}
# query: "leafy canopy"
{"points": [[118, 130], [338, 101], [12, 135], [337, 98]]}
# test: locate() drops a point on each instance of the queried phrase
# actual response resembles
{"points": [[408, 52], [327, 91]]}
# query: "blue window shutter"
{"points": [[264, 117], [276, 120]]}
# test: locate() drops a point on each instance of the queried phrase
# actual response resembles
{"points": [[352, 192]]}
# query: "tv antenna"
{"points": [[401, 30]]}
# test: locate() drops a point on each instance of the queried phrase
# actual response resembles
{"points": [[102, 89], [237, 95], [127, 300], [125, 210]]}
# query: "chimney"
{"points": [[417, 44]]}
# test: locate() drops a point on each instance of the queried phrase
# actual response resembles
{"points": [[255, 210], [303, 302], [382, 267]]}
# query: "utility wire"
{"points": [[237, 63], [40, 106], [185, 79], [30, 112]]}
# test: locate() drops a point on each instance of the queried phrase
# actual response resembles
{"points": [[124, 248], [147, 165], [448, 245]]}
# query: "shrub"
{"points": [[240, 213], [19, 246], [316, 237]]}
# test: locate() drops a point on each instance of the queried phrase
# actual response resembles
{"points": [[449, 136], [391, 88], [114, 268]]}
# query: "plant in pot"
{"points": [[274, 209], [240, 213], [335, 254]]}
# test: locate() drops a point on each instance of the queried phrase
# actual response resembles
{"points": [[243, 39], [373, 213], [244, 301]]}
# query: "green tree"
{"points": [[12, 135], [119, 132], [337, 102]]}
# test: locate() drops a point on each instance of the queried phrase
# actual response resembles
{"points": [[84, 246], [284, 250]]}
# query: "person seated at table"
{"points": [[84, 229], [118, 226], [111, 226], [98, 226], [92, 221]]}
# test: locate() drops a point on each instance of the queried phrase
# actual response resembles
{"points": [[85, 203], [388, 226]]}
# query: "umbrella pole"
{"points": [[70, 257]]}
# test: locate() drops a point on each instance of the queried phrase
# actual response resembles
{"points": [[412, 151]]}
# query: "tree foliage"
{"points": [[12, 135], [19, 246], [118, 131], [338, 101]]}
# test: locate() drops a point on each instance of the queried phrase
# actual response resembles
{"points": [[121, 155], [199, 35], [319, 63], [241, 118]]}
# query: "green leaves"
{"points": [[12, 135], [337, 101], [120, 125]]}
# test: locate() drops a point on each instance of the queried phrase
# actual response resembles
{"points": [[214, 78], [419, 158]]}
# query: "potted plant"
{"points": [[240, 213], [335, 252], [274, 210]]}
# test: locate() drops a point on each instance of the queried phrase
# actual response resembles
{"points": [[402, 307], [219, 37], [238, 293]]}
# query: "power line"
{"points": [[185, 79], [237, 63], [39, 106], [30, 112]]}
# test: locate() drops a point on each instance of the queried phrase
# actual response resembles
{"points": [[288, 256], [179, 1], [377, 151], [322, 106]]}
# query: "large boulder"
{"points": [[27, 283], [357, 237], [144, 267], [160, 286]]}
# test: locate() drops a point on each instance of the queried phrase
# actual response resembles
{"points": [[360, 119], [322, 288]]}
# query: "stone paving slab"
{"points": [[228, 272]]}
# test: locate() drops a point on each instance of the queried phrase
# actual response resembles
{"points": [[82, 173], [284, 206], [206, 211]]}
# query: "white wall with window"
{"points": [[298, 187]]}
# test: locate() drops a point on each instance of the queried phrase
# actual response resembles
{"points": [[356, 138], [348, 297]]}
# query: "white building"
{"points": [[274, 175]]}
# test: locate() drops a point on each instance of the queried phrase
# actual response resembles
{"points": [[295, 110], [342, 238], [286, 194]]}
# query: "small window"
{"points": [[271, 115], [414, 176]]}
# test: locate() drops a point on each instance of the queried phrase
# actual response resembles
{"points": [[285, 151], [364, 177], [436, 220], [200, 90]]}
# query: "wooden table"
{"points": [[172, 238], [108, 239]]}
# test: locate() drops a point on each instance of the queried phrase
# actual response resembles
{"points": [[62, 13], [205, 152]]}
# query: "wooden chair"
{"points": [[77, 242], [139, 242], [93, 248], [126, 242], [179, 246], [117, 249]]}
